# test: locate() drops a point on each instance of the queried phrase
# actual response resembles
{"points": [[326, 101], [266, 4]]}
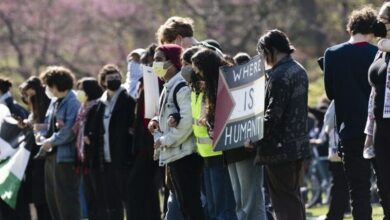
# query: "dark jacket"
{"points": [[15, 108], [346, 81], [122, 119], [377, 78], [285, 114]]}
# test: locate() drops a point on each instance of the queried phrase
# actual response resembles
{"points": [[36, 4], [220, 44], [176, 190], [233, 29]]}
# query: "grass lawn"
{"points": [[322, 210]]}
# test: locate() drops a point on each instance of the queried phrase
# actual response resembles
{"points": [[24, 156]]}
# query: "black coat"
{"points": [[120, 137], [285, 114]]}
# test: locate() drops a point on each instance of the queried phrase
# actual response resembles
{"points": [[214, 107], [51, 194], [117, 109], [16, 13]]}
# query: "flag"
{"points": [[11, 174], [14, 156]]}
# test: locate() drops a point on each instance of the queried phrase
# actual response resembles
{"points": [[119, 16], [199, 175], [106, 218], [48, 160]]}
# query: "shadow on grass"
{"points": [[315, 212]]}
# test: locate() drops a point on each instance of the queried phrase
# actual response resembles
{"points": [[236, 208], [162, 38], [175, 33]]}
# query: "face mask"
{"points": [[113, 85], [379, 29], [81, 96], [49, 93], [186, 72], [158, 69]]}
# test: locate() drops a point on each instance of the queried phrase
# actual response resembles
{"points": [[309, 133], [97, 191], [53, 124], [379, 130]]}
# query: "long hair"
{"points": [[39, 102], [208, 62]]}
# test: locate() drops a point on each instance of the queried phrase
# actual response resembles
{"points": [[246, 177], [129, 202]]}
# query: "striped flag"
{"points": [[11, 174], [14, 156]]}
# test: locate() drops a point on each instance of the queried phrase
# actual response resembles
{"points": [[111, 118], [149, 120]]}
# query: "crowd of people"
{"points": [[100, 150]]}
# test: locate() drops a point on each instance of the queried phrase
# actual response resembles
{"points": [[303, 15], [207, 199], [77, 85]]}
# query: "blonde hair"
{"points": [[173, 27]]}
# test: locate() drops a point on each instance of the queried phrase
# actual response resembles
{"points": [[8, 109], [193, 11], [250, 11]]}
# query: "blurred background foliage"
{"points": [[83, 35]]}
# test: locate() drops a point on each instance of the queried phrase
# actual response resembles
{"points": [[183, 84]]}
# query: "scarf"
{"points": [[78, 129]]}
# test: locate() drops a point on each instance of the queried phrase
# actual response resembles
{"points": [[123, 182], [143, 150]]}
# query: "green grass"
{"points": [[322, 210]]}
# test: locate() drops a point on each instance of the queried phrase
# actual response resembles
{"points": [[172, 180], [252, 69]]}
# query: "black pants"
{"points": [[111, 192], [284, 187], [358, 171], [382, 159], [143, 194], [339, 192], [36, 174], [185, 175], [21, 211], [62, 189]]}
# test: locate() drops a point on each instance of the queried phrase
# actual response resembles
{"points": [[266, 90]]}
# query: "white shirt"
{"points": [[110, 104]]}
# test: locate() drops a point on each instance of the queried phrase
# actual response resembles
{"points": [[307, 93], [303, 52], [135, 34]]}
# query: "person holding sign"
{"points": [[285, 143], [218, 189], [174, 146]]}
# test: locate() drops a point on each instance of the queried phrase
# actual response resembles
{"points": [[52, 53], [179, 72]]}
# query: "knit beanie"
{"points": [[172, 52]]}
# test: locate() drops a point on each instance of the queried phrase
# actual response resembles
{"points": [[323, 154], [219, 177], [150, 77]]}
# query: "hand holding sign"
{"points": [[240, 105]]}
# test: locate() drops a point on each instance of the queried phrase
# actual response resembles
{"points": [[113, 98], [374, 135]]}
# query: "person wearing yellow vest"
{"points": [[217, 187], [246, 179]]}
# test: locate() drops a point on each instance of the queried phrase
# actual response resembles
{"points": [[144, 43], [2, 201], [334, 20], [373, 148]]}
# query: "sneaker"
{"points": [[369, 152]]}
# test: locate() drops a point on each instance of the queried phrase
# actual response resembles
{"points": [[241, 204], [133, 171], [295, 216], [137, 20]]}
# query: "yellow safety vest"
{"points": [[203, 142]]}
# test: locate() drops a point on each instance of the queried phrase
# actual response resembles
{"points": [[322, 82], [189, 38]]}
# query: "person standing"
{"points": [[61, 180], [285, 141], [143, 190], [33, 93], [378, 123], [175, 147], [111, 136], [88, 93], [218, 188], [345, 75]]}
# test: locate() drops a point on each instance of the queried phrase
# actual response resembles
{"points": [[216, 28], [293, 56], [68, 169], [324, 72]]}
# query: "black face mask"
{"points": [[113, 85], [379, 29]]}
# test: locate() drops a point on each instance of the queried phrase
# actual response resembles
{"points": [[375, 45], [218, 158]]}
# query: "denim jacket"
{"points": [[64, 138]]}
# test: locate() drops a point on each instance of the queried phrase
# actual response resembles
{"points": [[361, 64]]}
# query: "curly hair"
{"points": [[361, 20], [173, 27], [60, 77]]}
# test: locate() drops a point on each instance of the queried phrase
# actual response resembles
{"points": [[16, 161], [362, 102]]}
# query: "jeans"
{"points": [[173, 209], [220, 201], [247, 182]]}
